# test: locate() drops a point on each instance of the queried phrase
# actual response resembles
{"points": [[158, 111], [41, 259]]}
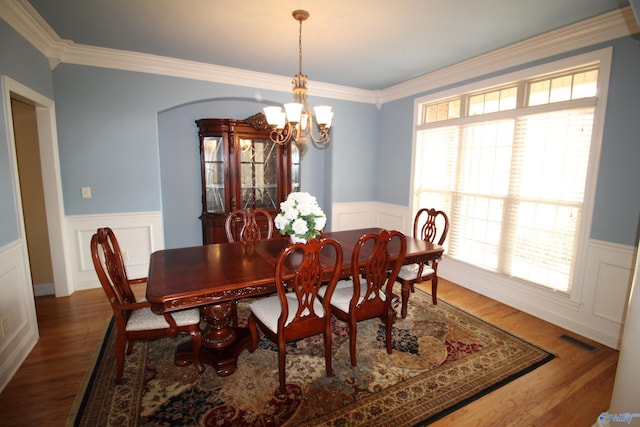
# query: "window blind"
{"points": [[511, 177]]}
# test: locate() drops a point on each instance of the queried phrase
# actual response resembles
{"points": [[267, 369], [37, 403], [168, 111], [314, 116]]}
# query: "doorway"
{"points": [[49, 166], [25, 131]]}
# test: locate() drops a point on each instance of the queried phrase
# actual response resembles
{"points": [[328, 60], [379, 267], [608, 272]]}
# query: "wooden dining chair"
{"points": [[134, 319], [368, 293], [432, 226], [295, 312], [248, 225]]}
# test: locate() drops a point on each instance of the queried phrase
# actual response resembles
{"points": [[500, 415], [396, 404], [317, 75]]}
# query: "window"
{"points": [[509, 164]]}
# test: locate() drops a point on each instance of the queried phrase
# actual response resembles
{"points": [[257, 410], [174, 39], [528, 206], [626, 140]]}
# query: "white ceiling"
{"points": [[367, 44]]}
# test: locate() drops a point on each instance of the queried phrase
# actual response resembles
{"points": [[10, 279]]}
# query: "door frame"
{"points": [[52, 181]]}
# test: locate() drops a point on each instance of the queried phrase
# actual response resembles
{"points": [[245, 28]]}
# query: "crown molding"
{"points": [[20, 15], [608, 26], [146, 63]]}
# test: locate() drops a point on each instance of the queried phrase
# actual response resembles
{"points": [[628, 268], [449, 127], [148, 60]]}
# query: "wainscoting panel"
{"points": [[138, 234], [609, 274], [599, 311], [349, 216], [394, 217], [18, 324]]}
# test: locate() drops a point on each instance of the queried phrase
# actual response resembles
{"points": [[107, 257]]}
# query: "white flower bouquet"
{"points": [[300, 217]]}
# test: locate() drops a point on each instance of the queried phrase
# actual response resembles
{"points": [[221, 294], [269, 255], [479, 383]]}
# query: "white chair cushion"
{"points": [[340, 285], [344, 292], [268, 310], [410, 272], [146, 320]]}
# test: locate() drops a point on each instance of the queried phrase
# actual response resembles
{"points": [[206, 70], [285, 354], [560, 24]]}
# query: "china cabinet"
{"points": [[242, 168]]}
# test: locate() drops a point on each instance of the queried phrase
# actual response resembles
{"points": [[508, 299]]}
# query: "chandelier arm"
{"points": [[283, 136], [323, 140]]}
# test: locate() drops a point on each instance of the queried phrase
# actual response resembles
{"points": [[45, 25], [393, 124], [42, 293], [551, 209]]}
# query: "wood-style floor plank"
{"points": [[43, 390], [571, 390]]}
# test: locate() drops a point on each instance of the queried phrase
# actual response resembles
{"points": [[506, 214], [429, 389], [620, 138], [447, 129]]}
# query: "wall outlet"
{"points": [[86, 192], [4, 327]]}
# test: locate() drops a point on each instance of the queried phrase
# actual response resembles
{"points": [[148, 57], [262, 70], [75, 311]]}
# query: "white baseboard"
{"points": [[42, 289]]}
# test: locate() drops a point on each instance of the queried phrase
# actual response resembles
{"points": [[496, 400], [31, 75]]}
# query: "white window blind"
{"points": [[511, 174]]}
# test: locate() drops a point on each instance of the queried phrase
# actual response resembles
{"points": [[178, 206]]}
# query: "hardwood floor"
{"points": [[571, 390]]}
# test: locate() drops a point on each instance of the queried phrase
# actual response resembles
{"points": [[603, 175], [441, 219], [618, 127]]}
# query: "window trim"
{"points": [[601, 56]]}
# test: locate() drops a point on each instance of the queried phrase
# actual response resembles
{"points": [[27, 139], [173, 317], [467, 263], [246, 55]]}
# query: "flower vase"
{"points": [[296, 239]]}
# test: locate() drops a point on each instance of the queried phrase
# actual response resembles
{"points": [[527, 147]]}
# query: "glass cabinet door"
{"points": [[214, 173], [242, 168], [258, 174]]}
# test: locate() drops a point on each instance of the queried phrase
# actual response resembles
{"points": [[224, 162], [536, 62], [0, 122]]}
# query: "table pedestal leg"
{"points": [[222, 343]]}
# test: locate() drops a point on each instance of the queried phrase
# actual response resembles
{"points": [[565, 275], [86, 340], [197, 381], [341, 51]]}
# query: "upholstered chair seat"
{"points": [[344, 293], [267, 310], [410, 271], [146, 320]]}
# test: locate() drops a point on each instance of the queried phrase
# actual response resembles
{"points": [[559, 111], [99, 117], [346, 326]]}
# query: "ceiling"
{"points": [[367, 44]]}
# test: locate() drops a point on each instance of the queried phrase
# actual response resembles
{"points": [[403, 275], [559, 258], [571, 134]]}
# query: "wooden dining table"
{"points": [[214, 276]]}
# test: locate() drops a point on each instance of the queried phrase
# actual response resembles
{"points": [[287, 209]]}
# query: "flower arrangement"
{"points": [[300, 217]]}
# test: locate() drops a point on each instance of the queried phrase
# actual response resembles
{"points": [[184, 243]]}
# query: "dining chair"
{"points": [[296, 312], [368, 293], [134, 319], [246, 226], [432, 226]]}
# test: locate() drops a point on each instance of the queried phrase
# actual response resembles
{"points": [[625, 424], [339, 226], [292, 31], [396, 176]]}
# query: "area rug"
{"points": [[443, 358]]}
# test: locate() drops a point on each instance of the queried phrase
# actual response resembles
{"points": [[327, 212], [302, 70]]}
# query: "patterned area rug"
{"points": [[443, 358]]}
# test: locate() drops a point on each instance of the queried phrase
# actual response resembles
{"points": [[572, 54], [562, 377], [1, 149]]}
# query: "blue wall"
{"points": [[394, 154], [24, 64], [131, 138], [616, 216], [138, 133]]}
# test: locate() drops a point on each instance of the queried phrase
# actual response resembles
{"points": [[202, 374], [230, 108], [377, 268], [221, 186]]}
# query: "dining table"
{"points": [[214, 276]]}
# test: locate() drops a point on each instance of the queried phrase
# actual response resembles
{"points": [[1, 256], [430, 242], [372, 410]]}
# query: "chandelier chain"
{"points": [[300, 48]]}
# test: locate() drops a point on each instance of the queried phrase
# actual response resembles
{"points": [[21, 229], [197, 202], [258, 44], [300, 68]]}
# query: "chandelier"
{"points": [[296, 123]]}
